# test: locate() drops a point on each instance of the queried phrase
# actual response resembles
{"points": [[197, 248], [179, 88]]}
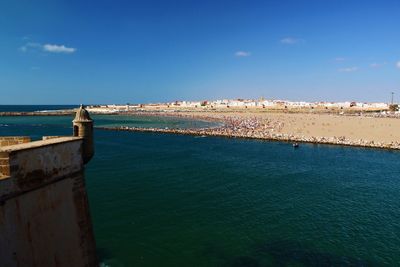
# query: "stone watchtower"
{"points": [[83, 127]]}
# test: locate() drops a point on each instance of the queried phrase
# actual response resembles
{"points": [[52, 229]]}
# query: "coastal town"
{"points": [[244, 104]]}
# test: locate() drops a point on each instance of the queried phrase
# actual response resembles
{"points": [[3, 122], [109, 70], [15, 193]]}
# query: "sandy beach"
{"points": [[354, 128], [366, 131]]}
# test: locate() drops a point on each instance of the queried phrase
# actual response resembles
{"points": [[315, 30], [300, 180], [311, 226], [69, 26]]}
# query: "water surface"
{"points": [[23, 124], [32, 108]]}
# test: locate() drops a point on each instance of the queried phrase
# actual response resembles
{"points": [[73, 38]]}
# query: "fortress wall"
{"points": [[4, 166], [13, 140], [8, 141], [44, 212]]}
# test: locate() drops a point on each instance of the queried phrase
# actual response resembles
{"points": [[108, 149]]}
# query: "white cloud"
{"points": [[340, 59], [28, 46], [398, 64], [291, 41], [350, 69], [377, 65], [242, 54], [52, 48]]}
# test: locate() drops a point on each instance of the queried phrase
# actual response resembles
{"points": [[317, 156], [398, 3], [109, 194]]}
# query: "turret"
{"points": [[83, 127]]}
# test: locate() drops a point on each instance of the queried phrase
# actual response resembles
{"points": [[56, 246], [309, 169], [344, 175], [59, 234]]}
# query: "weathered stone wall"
{"points": [[44, 212], [47, 137], [4, 167], [13, 140], [8, 141]]}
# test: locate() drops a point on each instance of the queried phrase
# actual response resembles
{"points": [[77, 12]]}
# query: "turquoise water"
{"points": [[29, 108], [22, 124], [168, 200]]}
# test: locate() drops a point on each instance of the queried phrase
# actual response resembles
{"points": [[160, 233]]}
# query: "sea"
{"points": [[32, 108], [172, 200]]}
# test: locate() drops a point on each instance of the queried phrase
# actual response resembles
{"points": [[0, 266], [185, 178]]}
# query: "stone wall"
{"points": [[13, 140], [44, 212]]}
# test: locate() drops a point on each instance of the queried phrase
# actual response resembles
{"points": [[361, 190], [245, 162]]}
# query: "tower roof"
{"points": [[82, 115]]}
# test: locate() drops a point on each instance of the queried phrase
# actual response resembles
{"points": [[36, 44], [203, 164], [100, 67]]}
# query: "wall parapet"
{"points": [[13, 140], [35, 144], [29, 165], [44, 210]]}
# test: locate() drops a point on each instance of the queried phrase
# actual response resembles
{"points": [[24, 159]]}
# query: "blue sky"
{"points": [[108, 51]]}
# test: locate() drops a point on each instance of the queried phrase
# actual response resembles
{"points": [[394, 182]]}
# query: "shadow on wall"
{"points": [[283, 253]]}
